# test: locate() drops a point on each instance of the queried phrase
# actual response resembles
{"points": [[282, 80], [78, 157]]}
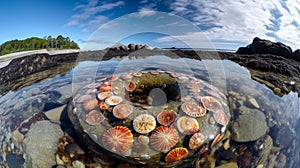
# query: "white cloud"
{"points": [[191, 40], [91, 13], [146, 12], [173, 24], [242, 20]]}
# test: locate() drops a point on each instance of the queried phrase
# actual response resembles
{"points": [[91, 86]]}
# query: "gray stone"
{"points": [[40, 144], [131, 46], [124, 48], [249, 126], [65, 92], [262, 149], [251, 102], [146, 47], [55, 114], [228, 165], [14, 160], [138, 46], [31, 92], [30, 106]]}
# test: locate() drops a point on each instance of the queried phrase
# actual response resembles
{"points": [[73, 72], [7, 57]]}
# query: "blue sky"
{"points": [[180, 23]]}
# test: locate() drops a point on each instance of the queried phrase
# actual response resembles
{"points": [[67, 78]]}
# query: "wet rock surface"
{"points": [[249, 126], [262, 150], [40, 144]]}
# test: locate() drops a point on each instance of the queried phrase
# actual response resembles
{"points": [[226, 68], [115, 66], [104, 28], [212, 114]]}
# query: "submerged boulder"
{"points": [[41, 144], [249, 126]]}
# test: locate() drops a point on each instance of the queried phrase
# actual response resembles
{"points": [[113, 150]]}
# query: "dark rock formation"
{"points": [[23, 66], [296, 55], [130, 47], [261, 46]]}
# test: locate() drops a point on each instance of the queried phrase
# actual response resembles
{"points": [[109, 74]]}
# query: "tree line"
{"points": [[35, 43]]}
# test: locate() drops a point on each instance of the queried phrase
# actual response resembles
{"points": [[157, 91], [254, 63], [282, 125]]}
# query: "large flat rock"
{"points": [[249, 126], [41, 144]]}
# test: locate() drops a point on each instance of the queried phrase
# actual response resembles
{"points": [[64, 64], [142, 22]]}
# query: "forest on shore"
{"points": [[36, 43]]}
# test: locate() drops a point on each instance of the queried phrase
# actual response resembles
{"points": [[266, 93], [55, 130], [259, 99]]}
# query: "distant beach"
{"points": [[5, 59]]}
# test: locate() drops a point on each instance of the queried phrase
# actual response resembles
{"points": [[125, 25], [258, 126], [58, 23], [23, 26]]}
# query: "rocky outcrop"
{"points": [[130, 47], [30, 64], [261, 46], [296, 55]]}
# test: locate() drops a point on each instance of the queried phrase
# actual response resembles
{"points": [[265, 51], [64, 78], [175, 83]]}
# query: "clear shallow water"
{"points": [[282, 113]]}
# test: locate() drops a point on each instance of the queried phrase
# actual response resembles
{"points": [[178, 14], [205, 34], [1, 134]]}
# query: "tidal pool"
{"points": [[262, 128]]}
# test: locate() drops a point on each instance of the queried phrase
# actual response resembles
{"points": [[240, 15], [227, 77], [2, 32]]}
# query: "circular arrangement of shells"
{"points": [[120, 114]]}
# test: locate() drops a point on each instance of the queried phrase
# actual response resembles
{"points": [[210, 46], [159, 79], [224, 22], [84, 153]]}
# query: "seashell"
{"points": [[94, 117], [196, 140], [163, 138], [192, 109], [144, 123], [143, 139], [104, 95], [122, 111], [137, 74], [221, 117], [83, 98], [113, 100], [90, 104], [166, 117], [176, 154], [174, 75], [153, 72], [117, 139], [187, 125], [130, 86], [211, 104]]}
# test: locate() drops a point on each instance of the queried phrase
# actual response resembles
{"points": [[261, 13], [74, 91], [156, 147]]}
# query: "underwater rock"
{"points": [[262, 150], [55, 114], [249, 126], [14, 160], [280, 134], [228, 165], [30, 106], [40, 144], [251, 102]]}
